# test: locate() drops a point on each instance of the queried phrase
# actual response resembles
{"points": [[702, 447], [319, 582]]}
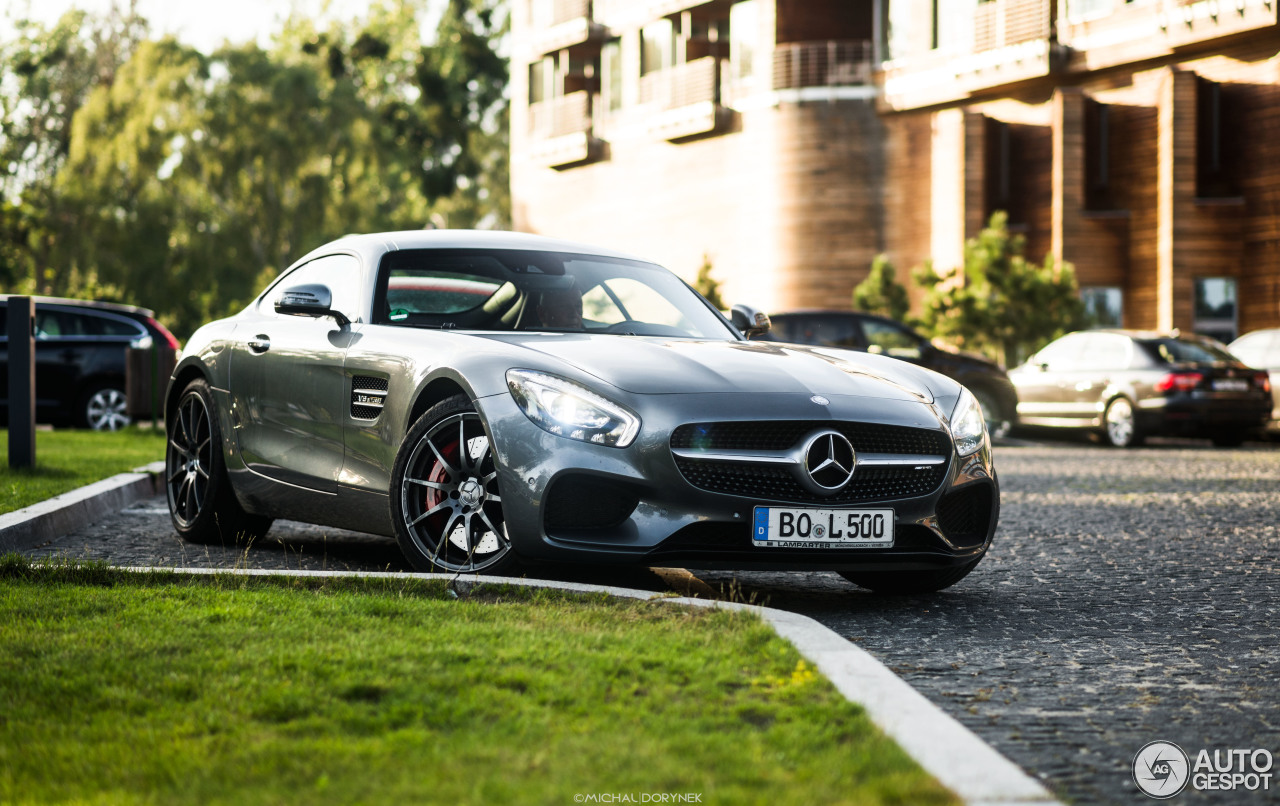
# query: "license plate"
{"points": [[1231, 385], [822, 528]]}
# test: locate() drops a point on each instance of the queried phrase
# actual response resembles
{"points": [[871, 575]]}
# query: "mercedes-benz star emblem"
{"points": [[820, 400], [829, 461]]}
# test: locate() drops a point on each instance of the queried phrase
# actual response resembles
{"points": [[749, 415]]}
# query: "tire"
{"points": [[445, 504], [202, 505], [103, 407], [998, 420], [1120, 424], [899, 583]]}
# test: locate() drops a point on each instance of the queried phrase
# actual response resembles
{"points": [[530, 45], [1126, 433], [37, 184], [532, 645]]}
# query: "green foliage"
{"points": [[881, 293], [124, 688], [708, 286], [190, 180], [999, 303]]}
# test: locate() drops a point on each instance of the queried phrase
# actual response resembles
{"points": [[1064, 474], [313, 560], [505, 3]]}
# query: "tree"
{"points": [[708, 286], [881, 293], [192, 180], [999, 303]]}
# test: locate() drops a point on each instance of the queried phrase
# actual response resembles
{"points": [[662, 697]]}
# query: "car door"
{"points": [[1103, 359], [287, 382], [1042, 382]]}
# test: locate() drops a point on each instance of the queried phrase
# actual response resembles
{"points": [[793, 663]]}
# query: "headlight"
{"points": [[968, 426], [567, 409]]}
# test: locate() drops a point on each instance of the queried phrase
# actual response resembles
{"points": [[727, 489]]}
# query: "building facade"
{"points": [[790, 141], [744, 133]]}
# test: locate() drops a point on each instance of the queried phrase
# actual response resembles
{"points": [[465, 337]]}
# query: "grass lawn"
{"points": [[120, 688], [66, 460]]}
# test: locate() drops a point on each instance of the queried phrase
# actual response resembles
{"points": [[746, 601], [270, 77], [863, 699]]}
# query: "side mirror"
{"points": [[749, 321], [309, 300]]}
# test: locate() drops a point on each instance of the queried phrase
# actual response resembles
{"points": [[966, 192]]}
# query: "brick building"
{"points": [[1138, 140]]}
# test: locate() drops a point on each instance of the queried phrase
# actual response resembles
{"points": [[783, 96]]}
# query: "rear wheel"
{"points": [[906, 582], [1122, 424], [202, 506], [103, 408], [445, 501]]}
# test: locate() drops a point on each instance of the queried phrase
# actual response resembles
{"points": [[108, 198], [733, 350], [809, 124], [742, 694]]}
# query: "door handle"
{"points": [[260, 343]]}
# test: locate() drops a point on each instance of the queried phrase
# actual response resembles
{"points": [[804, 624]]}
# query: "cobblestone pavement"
{"points": [[1130, 596]]}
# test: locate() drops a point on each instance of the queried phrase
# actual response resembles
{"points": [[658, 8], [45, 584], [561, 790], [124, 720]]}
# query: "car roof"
{"points": [[110, 307], [469, 239]]}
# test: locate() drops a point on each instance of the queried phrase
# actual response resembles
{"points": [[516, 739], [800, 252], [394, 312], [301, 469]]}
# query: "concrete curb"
{"points": [[39, 523], [947, 750]]}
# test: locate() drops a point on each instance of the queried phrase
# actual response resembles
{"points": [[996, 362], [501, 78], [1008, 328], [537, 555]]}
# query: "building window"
{"points": [[1216, 174], [657, 46], [1098, 188], [999, 181], [538, 75], [744, 27], [611, 62], [1103, 305], [1088, 9], [1215, 308]]}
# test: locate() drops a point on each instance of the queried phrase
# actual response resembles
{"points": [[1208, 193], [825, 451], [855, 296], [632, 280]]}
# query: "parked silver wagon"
{"points": [[492, 398]]}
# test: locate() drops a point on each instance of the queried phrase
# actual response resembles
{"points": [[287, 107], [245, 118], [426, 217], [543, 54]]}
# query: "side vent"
{"points": [[368, 395]]}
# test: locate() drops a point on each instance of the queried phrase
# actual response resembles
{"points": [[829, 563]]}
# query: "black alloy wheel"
{"points": [[445, 501], [202, 506]]}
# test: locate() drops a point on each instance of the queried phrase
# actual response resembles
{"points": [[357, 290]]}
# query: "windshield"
{"points": [[507, 289]]}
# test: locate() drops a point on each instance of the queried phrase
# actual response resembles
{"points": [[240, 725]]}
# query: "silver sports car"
{"points": [[492, 398]]}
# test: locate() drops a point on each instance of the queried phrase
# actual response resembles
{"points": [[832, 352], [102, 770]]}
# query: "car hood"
{"points": [[642, 365]]}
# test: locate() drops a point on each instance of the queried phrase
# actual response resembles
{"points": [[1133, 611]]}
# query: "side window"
{"points": [[90, 324], [1108, 352], [888, 339], [48, 324], [1062, 355], [826, 331], [341, 273]]}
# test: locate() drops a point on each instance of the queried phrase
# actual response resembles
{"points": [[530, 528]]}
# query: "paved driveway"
{"points": [[1131, 596]]}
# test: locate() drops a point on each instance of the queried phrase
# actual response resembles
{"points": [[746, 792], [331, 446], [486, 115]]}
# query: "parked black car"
{"points": [[1131, 384], [1261, 349], [865, 332], [80, 359]]}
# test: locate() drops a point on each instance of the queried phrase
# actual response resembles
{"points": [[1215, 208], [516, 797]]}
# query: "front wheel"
{"points": [[1122, 424], [906, 582], [202, 506], [445, 503]]}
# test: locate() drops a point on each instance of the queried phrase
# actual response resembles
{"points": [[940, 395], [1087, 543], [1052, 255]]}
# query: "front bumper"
{"points": [[565, 500]]}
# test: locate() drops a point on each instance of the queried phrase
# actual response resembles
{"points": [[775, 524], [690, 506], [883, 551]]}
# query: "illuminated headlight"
{"points": [[567, 409], [968, 426]]}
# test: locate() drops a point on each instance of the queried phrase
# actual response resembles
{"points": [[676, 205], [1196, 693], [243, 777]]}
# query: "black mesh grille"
{"points": [[772, 483], [366, 383], [965, 516], [585, 502], [782, 434]]}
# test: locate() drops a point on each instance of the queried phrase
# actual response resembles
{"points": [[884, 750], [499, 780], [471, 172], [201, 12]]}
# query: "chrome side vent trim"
{"points": [[368, 396]]}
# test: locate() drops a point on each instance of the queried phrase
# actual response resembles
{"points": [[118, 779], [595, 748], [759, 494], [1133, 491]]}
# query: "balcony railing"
{"points": [[569, 114], [998, 23], [683, 85], [566, 10], [822, 64]]}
